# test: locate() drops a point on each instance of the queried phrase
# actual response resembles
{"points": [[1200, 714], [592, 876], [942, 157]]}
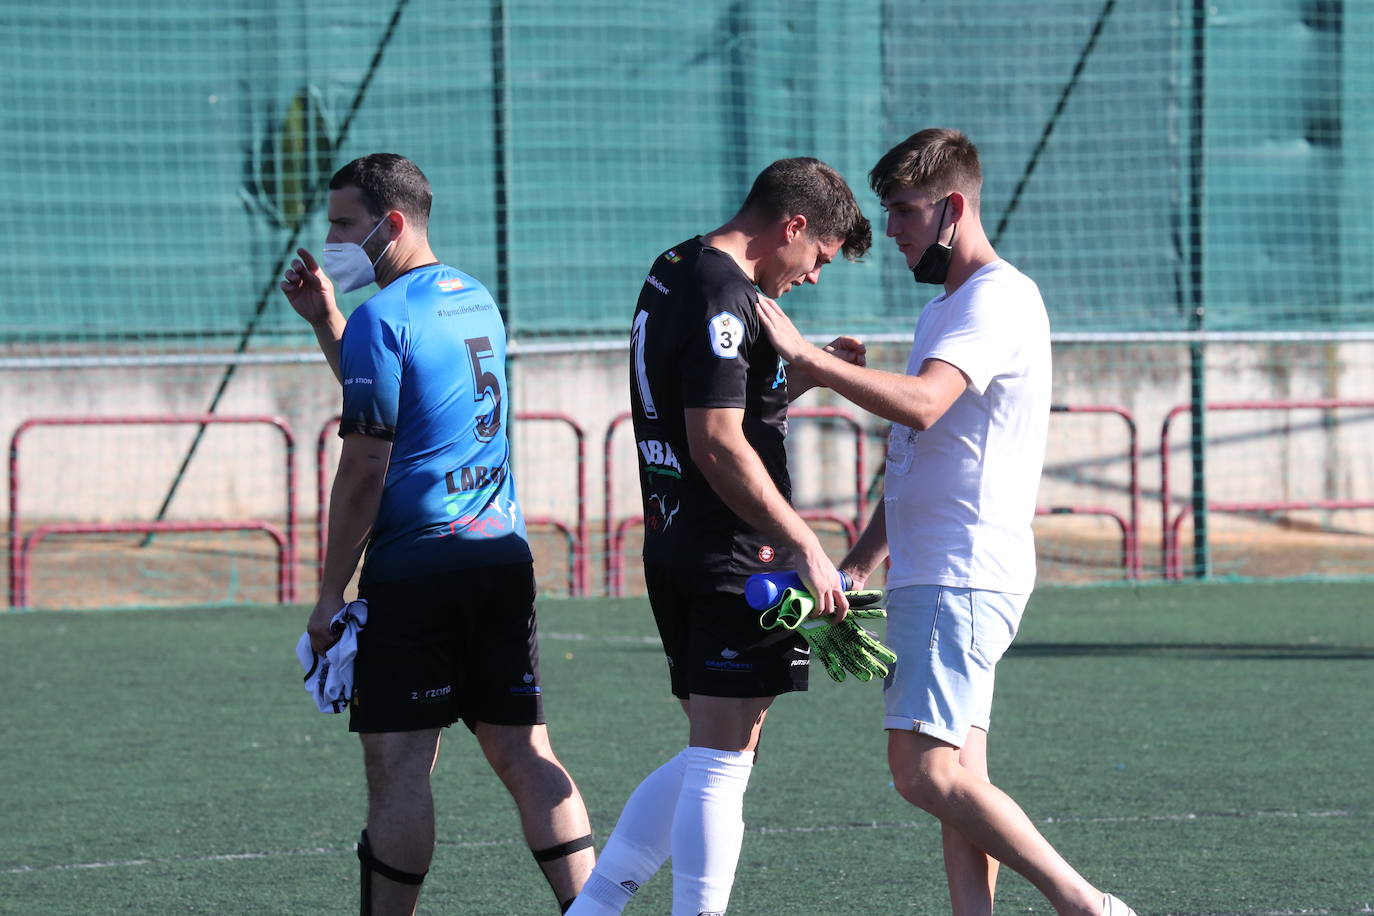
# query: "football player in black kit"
{"points": [[709, 397]]}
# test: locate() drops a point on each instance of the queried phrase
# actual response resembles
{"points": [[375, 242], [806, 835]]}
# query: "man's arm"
{"points": [[916, 401], [312, 296], [353, 505], [869, 550], [849, 349], [715, 436]]}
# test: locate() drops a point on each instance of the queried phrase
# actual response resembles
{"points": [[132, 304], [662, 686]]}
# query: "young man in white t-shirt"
{"points": [[963, 465]]}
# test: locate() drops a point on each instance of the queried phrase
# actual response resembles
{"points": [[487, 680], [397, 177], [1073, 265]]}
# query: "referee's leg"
{"points": [[400, 812], [552, 813]]}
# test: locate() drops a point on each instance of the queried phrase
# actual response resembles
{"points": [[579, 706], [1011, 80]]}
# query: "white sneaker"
{"points": [[1111, 906]]}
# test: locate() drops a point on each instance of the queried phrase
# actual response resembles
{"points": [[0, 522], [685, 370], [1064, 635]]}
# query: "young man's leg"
{"points": [[400, 817], [927, 773], [708, 824], [948, 642], [690, 808], [639, 844], [552, 814], [971, 873]]}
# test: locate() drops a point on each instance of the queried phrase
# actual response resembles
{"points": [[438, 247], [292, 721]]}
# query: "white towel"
{"points": [[329, 677]]}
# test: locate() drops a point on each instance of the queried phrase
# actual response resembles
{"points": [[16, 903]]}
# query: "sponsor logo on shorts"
{"points": [[767, 553], [801, 662], [433, 695], [529, 687], [630, 886], [727, 662]]}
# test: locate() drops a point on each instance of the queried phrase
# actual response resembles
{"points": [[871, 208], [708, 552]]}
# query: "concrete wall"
{"points": [[117, 473]]}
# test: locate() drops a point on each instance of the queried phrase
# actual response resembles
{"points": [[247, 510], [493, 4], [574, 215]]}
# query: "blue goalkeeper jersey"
{"points": [[424, 366]]}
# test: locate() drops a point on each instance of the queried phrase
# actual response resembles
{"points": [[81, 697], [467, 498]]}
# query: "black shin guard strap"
{"points": [[563, 849], [368, 863]]}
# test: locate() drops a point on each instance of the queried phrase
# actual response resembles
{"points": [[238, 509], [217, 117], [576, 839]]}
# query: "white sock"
{"points": [[708, 829], [638, 845]]}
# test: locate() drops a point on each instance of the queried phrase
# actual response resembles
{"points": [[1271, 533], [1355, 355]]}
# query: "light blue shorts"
{"points": [[948, 642]]}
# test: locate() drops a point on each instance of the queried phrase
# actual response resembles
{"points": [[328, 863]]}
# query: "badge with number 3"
{"points": [[726, 331]]}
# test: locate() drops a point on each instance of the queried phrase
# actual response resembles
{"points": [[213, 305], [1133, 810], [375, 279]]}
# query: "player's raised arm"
{"points": [[311, 294], [916, 401]]}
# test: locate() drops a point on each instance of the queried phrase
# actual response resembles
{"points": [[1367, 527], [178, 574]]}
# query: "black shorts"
{"points": [[713, 640], [460, 645]]}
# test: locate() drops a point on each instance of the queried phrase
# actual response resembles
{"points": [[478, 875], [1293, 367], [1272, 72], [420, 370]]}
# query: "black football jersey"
{"points": [[696, 342]]}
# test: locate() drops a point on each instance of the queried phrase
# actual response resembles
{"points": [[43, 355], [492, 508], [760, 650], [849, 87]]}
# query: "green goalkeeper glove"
{"points": [[843, 646], [794, 605]]}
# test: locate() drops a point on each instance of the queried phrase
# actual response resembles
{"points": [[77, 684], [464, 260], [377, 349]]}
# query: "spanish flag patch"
{"points": [[451, 286]]}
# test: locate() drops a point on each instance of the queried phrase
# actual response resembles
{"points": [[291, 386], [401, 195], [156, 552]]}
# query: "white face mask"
{"points": [[349, 266]]}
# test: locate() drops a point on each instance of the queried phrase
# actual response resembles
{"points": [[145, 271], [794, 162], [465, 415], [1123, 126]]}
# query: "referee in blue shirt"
{"points": [[424, 484]]}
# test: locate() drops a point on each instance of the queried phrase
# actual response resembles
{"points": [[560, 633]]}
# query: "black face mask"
{"points": [[934, 264]]}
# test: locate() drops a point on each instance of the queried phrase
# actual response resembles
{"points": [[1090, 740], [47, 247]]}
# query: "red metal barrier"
{"points": [[578, 537], [615, 559], [1175, 570], [1130, 556], [1173, 563], [613, 564], [19, 586], [860, 481], [1130, 526], [329, 428], [574, 554], [580, 548], [28, 543]]}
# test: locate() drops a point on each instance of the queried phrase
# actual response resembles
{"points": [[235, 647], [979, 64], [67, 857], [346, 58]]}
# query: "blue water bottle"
{"points": [[762, 590]]}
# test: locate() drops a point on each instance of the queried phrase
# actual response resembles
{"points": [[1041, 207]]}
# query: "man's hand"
{"points": [[309, 290], [787, 340], [794, 606], [321, 636], [849, 349], [799, 353], [822, 580], [312, 296], [857, 579], [841, 646]]}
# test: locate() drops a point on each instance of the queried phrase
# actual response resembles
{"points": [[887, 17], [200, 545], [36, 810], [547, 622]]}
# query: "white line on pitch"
{"points": [[824, 828], [587, 637]]}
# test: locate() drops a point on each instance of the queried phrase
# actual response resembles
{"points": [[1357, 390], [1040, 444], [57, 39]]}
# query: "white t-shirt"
{"points": [[960, 496]]}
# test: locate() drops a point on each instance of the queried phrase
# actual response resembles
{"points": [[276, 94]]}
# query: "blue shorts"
{"points": [[948, 642]]}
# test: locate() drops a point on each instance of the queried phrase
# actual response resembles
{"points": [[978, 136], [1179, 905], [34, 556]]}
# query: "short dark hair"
{"points": [[810, 188], [388, 182], [938, 160]]}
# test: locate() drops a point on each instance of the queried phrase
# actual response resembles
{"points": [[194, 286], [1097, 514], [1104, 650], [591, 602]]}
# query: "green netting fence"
{"points": [[1189, 183]]}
